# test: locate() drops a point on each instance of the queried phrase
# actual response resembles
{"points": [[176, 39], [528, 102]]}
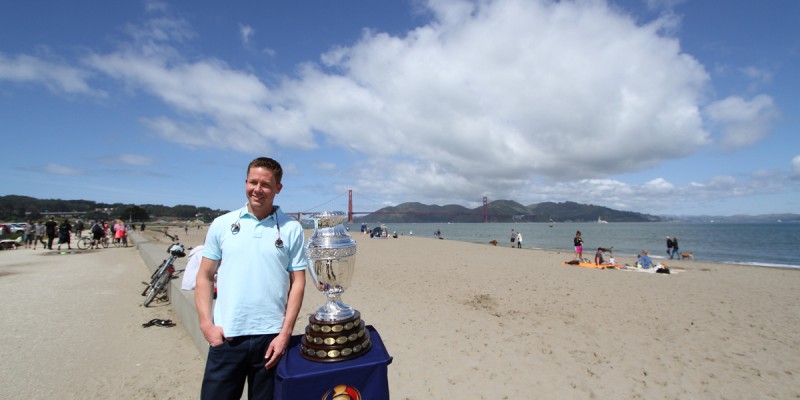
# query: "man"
{"points": [[50, 229], [257, 254], [669, 247]]}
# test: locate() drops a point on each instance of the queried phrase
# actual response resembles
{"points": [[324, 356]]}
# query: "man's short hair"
{"points": [[268, 163]]}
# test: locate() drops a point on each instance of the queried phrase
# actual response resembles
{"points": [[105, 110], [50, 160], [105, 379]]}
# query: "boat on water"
{"points": [[601, 221]]}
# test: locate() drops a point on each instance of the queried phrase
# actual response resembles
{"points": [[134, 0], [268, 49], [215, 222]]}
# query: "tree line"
{"points": [[22, 208]]}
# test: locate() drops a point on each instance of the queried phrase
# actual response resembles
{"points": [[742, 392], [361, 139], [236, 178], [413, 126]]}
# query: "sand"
{"points": [[72, 329], [466, 321]]}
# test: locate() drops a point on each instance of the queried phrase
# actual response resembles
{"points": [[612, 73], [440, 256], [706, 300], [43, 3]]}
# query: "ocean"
{"points": [[756, 244]]}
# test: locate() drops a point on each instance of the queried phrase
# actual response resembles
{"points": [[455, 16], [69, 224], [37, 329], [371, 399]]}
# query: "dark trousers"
{"points": [[50, 241], [234, 361]]}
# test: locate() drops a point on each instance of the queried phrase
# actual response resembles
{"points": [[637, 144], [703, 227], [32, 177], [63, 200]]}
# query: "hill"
{"points": [[503, 211]]}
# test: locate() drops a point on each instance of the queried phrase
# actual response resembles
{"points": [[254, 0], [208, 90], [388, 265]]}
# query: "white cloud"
{"points": [[246, 32], [57, 169], [521, 97], [742, 122], [135, 159], [56, 76], [795, 165]]}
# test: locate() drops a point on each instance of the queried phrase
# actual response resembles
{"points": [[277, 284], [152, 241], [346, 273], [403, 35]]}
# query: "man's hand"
{"points": [[213, 334], [276, 350]]}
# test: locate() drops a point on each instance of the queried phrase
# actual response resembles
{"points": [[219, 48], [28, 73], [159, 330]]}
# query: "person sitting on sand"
{"points": [[598, 257], [645, 261]]}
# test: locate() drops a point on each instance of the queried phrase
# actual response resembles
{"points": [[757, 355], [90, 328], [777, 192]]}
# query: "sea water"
{"points": [[758, 244]]}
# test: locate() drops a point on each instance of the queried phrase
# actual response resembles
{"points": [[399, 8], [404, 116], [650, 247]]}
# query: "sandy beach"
{"points": [[72, 329], [462, 320]]}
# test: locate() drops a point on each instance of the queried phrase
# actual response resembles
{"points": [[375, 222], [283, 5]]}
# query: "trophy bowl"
{"points": [[335, 331]]}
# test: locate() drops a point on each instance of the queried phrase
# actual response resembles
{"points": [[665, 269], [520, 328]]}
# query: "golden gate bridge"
{"points": [[350, 212]]}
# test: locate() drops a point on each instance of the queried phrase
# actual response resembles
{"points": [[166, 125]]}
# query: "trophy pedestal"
{"points": [[332, 341]]}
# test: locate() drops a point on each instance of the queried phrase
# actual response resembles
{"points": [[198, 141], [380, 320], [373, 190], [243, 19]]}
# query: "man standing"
{"points": [[669, 247], [257, 254], [50, 230]]}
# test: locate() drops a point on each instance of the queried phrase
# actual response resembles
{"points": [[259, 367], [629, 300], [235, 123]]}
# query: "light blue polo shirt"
{"points": [[253, 276]]}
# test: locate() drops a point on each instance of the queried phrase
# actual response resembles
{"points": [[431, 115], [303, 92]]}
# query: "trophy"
{"points": [[335, 332]]}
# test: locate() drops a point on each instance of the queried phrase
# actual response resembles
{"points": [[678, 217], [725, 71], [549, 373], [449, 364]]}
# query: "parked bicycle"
{"points": [[163, 274], [86, 242]]}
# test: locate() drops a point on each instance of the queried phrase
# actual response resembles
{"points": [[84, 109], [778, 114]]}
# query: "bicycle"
{"points": [[163, 274], [87, 242]]}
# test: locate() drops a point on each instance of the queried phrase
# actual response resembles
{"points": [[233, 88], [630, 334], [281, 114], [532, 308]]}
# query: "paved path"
{"points": [[72, 329]]}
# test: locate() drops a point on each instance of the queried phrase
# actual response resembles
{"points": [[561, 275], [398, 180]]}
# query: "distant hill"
{"points": [[503, 211], [21, 208]]}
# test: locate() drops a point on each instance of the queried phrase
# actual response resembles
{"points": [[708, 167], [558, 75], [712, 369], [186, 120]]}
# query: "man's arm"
{"points": [[297, 286], [203, 292]]}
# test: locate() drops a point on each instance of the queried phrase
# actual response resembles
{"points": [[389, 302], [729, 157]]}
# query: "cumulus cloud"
{"points": [[57, 77], [501, 98], [742, 122]]}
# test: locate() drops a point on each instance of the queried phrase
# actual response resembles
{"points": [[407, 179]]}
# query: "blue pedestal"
{"points": [[367, 375]]}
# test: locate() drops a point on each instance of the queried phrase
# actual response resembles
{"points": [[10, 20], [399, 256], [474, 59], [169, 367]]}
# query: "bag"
{"points": [[573, 262], [97, 229]]}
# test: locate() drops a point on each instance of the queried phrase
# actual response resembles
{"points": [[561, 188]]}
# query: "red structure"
{"points": [[350, 206]]}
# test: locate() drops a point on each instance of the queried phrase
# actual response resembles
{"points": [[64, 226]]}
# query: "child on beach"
{"points": [[578, 242]]}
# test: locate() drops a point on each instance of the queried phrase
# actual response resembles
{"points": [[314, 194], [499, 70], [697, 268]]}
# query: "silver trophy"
{"points": [[335, 331]]}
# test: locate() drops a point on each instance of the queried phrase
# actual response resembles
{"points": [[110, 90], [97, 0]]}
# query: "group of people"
{"points": [[643, 259], [36, 232], [672, 247]]}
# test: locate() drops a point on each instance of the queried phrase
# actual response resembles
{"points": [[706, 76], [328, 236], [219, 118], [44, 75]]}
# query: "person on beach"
{"points": [[50, 230], [675, 248], [513, 238], [578, 243], [97, 234], [598, 257], [119, 227], [39, 235], [29, 234], [669, 247], [78, 228], [257, 254], [64, 231], [644, 260], [519, 240]]}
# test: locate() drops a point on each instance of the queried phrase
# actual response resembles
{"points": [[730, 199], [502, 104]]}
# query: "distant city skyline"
{"points": [[664, 107]]}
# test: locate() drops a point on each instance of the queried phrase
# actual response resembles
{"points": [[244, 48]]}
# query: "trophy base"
{"points": [[332, 341]]}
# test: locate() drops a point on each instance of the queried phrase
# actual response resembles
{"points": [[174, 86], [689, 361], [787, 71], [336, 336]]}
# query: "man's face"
{"points": [[261, 188]]}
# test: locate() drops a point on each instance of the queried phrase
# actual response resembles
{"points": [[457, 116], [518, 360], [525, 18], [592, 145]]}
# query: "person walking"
{"points": [[675, 248], [39, 235], [669, 247], [257, 254], [64, 231], [50, 229]]}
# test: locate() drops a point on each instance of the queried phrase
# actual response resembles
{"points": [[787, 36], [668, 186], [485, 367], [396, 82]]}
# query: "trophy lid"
{"points": [[330, 232]]}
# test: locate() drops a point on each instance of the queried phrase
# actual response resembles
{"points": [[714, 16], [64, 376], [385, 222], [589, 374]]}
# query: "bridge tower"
{"points": [[350, 206], [485, 210]]}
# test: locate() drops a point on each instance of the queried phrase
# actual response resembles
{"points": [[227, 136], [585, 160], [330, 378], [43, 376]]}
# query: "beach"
{"points": [[462, 320]]}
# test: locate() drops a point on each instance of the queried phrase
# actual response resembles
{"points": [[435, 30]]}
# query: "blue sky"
{"points": [[664, 107]]}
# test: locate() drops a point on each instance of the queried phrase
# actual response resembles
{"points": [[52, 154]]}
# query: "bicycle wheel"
{"points": [[161, 286], [84, 243], [104, 242]]}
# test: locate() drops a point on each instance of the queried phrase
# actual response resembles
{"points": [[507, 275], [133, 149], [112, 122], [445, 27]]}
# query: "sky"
{"points": [[665, 107]]}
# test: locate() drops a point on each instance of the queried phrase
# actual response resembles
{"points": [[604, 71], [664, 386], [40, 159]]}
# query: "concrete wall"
{"points": [[182, 301]]}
